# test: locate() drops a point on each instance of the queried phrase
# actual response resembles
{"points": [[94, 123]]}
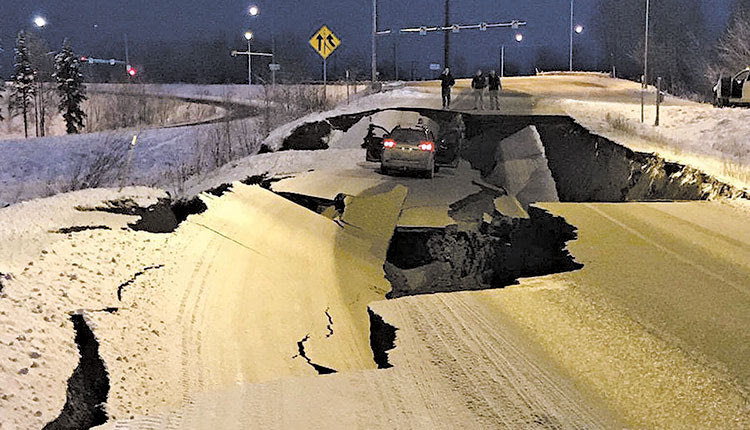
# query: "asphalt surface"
{"points": [[651, 333]]}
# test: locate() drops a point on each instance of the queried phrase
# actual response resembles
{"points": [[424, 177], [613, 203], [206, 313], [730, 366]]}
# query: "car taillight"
{"points": [[389, 143], [426, 146]]}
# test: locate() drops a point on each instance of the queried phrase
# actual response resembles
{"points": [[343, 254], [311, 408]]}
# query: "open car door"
{"points": [[374, 142]]}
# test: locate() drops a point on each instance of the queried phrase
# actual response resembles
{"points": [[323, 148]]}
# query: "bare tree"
{"points": [[733, 48]]}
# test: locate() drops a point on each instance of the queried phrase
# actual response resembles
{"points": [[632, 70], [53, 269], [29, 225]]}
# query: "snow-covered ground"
{"points": [[712, 140], [161, 157], [716, 141]]}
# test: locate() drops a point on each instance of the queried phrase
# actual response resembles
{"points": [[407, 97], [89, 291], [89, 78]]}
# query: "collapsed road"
{"points": [[607, 324]]}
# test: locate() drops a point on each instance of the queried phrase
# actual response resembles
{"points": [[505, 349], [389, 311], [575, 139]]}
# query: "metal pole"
{"points": [[645, 50], [325, 78], [127, 53], [658, 99], [395, 61], [374, 64], [502, 61], [447, 54], [643, 79], [273, 58], [273, 47], [571, 36], [249, 66]]}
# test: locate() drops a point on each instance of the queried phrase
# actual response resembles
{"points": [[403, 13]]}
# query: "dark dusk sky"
{"points": [[93, 25]]}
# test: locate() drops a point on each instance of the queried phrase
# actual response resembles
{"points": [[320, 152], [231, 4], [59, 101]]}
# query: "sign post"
{"points": [[274, 67], [324, 42]]}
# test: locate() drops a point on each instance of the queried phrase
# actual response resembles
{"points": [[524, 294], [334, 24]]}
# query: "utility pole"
{"points": [[395, 60], [644, 84], [502, 60], [571, 36], [447, 56], [374, 64], [645, 51]]}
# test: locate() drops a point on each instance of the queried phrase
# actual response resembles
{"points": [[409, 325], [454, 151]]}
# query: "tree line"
{"points": [[682, 48], [29, 93]]}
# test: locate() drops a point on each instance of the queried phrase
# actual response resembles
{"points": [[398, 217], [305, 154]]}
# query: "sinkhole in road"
{"points": [[485, 255], [585, 167]]}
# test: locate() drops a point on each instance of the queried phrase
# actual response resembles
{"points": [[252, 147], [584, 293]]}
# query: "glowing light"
{"points": [[579, 29], [248, 35], [519, 37], [254, 10], [40, 21]]}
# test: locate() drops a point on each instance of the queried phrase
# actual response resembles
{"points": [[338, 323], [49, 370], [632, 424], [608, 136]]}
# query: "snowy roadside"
{"points": [[162, 157], [712, 140]]}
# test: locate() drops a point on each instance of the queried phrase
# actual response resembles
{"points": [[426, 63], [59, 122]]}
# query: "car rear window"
{"points": [[406, 135]]}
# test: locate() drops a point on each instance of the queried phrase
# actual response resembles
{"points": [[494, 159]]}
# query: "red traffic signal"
{"points": [[132, 71], [84, 58]]}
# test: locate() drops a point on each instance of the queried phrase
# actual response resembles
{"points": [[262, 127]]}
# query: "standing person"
{"points": [[478, 84], [494, 86], [446, 82]]}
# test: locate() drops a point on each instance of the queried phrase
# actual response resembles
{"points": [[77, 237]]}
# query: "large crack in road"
{"points": [[487, 247]]}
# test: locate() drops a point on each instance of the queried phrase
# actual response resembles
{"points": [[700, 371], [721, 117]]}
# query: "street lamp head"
{"points": [[579, 29], [519, 37], [254, 10], [40, 21], [248, 35]]}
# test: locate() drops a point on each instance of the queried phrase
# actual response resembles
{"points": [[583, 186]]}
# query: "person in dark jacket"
{"points": [[446, 82], [494, 86], [478, 84]]}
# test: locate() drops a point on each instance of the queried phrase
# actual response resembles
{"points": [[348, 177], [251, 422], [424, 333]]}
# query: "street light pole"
{"points": [[447, 47], [645, 50], [571, 36], [249, 37], [502, 61], [374, 65], [255, 11]]}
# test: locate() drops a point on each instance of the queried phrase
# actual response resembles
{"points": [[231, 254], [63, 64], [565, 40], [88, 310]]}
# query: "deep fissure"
{"points": [[88, 386], [322, 370], [382, 339], [494, 255]]}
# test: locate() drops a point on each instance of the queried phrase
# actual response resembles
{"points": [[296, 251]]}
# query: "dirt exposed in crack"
{"points": [[127, 283], [4, 277], [492, 255], [322, 370], [88, 386], [586, 167], [382, 339], [162, 217], [81, 228], [315, 204], [590, 168]]}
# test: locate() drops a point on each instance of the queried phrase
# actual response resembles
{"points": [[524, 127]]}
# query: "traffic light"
{"points": [[132, 71]]}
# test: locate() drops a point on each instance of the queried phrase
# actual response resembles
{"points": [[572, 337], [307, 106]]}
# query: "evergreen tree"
{"points": [[23, 88], [70, 87]]}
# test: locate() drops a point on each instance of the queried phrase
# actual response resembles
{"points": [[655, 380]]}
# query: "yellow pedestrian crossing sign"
{"points": [[324, 42]]}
